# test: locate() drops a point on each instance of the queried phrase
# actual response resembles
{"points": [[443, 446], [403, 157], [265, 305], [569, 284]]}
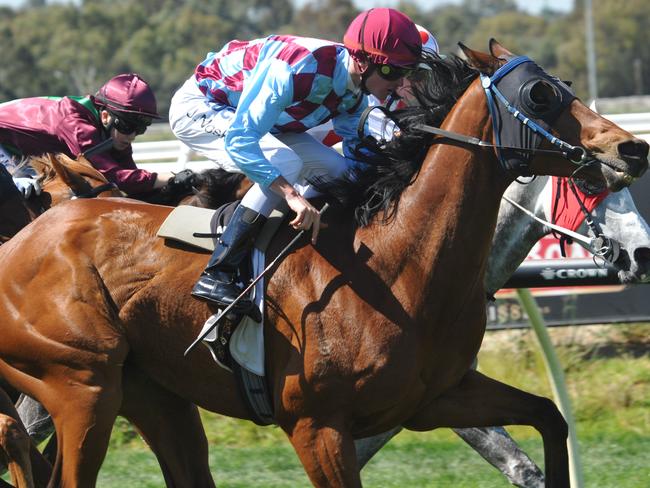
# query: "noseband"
{"points": [[601, 246]]}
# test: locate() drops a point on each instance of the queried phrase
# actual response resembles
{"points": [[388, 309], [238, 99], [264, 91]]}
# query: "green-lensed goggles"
{"points": [[392, 73]]}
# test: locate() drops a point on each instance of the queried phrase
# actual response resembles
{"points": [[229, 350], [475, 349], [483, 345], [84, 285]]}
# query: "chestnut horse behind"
{"points": [[373, 327], [63, 178]]}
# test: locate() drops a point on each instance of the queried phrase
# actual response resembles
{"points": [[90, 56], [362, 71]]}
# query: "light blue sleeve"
{"points": [[345, 125], [265, 96]]}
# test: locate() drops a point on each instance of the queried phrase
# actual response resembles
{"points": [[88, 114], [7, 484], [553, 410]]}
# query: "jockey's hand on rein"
{"points": [[182, 181], [28, 186]]}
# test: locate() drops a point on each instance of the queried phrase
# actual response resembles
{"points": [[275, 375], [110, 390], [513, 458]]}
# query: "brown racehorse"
{"points": [[371, 328]]}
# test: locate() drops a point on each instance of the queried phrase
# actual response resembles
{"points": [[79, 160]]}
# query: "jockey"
{"points": [[378, 125], [248, 106], [122, 109]]}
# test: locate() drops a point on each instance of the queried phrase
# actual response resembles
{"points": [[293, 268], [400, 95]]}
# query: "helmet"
{"points": [[429, 43], [128, 93], [384, 36]]}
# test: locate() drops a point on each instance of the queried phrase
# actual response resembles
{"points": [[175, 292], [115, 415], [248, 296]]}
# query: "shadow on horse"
{"points": [[374, 327]]}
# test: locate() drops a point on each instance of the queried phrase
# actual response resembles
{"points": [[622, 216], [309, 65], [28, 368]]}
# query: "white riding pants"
{"points": [[202, 125]]}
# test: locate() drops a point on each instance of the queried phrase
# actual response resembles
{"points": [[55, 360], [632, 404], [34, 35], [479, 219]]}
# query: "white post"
{"points": [[556, 379]]}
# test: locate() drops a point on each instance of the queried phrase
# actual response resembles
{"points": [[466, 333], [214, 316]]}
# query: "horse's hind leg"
{"points": [[14, 446], [83, 404], [479, 401], [25, 464], [172, 428]]}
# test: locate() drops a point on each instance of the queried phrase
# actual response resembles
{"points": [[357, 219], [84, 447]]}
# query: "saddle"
{"points": [[237, 341]]}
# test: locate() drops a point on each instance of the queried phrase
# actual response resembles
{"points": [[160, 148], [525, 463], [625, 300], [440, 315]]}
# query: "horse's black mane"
{"points": [[213, 187], [375, 187], [217, 184]]}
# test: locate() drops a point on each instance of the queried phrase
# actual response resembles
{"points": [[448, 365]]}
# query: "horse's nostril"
{"points": [[642, 256], [635, 153], [634, 148]]}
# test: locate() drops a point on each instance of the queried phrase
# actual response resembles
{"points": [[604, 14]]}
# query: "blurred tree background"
{"points": [[57, 49]]}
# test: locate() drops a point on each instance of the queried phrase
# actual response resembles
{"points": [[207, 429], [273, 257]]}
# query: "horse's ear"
{"points": [[484, 63], [60, 169], [75, 181], [498, 51]]}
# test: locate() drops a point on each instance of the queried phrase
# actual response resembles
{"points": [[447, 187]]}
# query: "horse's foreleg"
{"points": [[157, 414], [479, 401], [326, 452]]}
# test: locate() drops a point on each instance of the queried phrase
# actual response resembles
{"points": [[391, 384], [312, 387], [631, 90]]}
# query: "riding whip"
{"points": [[281, 254]]}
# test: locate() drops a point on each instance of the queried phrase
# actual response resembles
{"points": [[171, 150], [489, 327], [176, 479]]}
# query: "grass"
{"points": [[433, 459]]}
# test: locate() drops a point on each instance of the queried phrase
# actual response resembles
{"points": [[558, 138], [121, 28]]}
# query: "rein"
{"points": [[478, 142], [95, 192]]}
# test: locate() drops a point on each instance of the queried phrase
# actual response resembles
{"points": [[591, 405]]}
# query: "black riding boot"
{"points": [[218, 282]]}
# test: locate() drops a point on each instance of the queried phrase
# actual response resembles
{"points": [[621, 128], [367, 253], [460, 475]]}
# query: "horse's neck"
{"points": [[446, 218], [516, 232]]}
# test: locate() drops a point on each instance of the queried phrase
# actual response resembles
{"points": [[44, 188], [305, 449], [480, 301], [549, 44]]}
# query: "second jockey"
{"points": [[121, 110]]}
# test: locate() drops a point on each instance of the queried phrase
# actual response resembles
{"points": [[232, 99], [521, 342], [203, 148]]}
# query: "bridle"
{"points": [[522, 90], [601, 246]]}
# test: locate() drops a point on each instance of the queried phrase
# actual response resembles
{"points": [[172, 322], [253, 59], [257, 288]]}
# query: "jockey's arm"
{"points": [[267, 95]]}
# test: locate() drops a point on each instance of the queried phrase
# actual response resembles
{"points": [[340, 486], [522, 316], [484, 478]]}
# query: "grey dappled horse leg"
{"points": [[369, 446], [496, 446], [36, 419]]}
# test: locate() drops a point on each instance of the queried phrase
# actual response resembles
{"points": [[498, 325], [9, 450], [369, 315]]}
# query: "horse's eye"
{"points": [[539, 97]]}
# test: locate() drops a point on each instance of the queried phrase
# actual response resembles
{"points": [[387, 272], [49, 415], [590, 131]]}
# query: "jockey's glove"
{"points": [[28, 186], [182, 181]]}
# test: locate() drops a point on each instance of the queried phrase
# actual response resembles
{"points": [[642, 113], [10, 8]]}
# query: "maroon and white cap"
{"points": [[384, 36], [128, 93]]}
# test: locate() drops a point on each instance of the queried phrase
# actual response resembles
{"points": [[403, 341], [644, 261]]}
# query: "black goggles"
{"points": [[392, 73], [129, 125]]}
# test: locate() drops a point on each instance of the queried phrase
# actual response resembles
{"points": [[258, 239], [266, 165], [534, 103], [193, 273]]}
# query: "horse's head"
{"points": [[64, 178], [552, 130]]}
